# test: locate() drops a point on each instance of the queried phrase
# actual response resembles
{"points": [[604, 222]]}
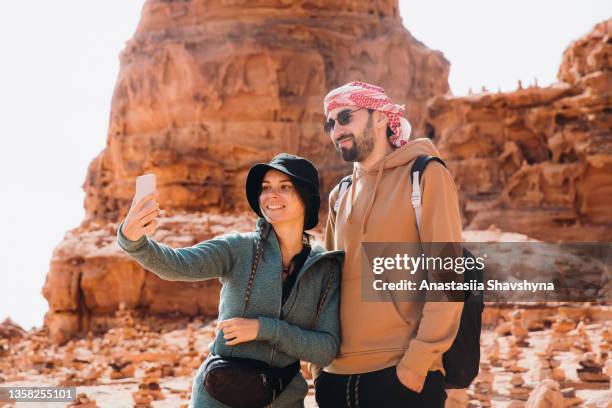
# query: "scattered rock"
{"points": [[83, 401], [571, 400], [10, 330], [563, 325], [558, 374], [546, 394], [592, 369]]}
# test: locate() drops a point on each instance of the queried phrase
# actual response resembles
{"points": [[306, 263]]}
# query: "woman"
{"points": [[279, 296]]}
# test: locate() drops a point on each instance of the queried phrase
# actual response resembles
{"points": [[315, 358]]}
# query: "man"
{"points": [[391, 352]]}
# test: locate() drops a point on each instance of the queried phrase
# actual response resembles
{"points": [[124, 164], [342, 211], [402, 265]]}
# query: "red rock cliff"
{"points": [[206, 89], [539, 160]]}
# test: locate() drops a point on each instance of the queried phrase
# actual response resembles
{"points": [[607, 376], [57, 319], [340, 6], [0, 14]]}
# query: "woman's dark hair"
{"points": [[307, 199], [260, 240], [263, 233]]}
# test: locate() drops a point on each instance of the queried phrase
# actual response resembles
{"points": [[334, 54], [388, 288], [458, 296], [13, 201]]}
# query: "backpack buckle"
{"points": [[416, 199], [416, 190]]}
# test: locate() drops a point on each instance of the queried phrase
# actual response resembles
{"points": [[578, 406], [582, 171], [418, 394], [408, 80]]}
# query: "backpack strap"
{"points": [[344, 184], [417, 169]]}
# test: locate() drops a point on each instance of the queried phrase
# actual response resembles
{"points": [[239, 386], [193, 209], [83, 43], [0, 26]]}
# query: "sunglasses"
{"points": [[343, 118]]}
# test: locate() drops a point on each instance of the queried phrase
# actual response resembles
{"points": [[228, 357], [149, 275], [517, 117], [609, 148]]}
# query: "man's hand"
{"points": [[410, 379], [239, 330]]}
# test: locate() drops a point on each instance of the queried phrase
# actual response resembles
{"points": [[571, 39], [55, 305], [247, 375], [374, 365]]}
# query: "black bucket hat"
{"points": [[302, 173]]}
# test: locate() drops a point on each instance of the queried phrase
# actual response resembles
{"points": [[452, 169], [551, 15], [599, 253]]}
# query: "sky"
{"points": [[496, 43], [60, 61]]}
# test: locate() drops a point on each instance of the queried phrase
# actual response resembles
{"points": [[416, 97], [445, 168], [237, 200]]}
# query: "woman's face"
{"points": [[279, 200]]}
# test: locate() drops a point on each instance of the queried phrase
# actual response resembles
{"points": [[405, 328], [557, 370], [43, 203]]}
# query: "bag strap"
{"points": [[344, 185], [324, 296], [254, 265], [418, 167]]}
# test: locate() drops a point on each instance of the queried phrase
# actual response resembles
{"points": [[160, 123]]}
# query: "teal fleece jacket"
{"points": [[285, 333]]}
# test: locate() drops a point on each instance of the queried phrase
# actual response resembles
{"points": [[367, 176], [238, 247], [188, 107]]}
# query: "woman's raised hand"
{"points": [[142, 218]]}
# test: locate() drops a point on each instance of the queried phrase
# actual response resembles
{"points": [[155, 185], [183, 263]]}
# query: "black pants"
{"points": [[377, 389]]}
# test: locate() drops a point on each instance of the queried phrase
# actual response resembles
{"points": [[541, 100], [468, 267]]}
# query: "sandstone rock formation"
{"points": [[539, 160], [90, 276], [206, 88]]}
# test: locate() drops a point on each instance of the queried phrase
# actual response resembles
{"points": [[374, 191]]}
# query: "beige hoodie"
{"points": [[377, 208]]}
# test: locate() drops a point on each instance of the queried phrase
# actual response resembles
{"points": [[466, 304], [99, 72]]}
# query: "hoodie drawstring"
{"points": [[355, 391], [352, 192], [348, 392], [371, 203]]}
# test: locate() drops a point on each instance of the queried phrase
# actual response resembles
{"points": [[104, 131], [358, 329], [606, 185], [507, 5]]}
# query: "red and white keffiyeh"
{"points": [[372, 97]]}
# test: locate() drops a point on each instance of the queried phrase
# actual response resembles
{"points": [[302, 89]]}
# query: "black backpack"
{"points": [[462, 360]]}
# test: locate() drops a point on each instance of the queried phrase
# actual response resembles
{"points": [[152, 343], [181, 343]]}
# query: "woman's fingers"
{"points": [[143, 226], [140, 208], [231, 337], [150, 228], [145, 200], [229, 330], [233, 342], [148, 225], [148, 210], [226, 323], [150, 216], [143, 215], [136, 206], [143, 212], [236, 340]]}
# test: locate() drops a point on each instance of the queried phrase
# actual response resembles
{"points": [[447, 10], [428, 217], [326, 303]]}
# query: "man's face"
{"points": [[355, 139]]}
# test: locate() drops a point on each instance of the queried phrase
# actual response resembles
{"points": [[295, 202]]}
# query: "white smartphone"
{"points": [[145, 185]]}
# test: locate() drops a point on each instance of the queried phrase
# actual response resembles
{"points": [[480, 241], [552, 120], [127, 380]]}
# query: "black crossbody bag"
{"points": [[248, 383]]}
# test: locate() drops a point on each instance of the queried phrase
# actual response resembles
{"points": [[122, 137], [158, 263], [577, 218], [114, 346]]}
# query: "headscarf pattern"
{"points": [[372, 97]]}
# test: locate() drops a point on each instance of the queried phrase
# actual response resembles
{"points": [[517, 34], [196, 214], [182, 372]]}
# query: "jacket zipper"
{"points": [[295, 286], [280, 305]]}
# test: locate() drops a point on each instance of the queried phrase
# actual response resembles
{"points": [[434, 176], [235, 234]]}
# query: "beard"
{"points": [[362, 146]]}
